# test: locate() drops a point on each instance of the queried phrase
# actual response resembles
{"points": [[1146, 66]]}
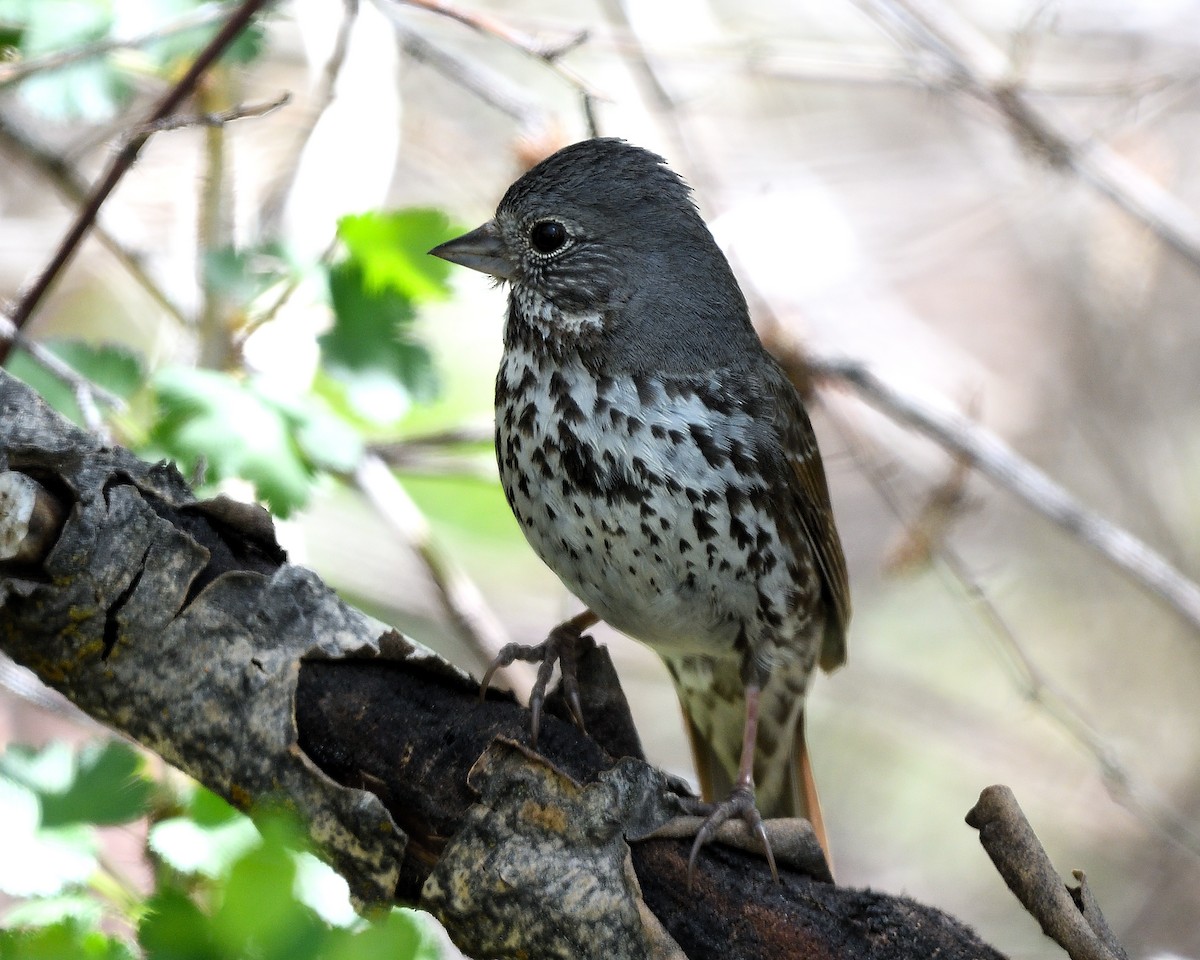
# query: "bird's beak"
{"points": [[482, 249]]}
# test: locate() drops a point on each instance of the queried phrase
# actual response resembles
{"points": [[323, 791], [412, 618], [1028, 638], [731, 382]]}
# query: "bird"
{"points": [[660, 462]]}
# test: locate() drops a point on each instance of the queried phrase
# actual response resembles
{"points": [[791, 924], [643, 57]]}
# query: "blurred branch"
{"points": [[1071, 917], [657, 97], [973, 64], [946, 500], [67, 181], [549, 53], [853, 66], [461, 598], [217, 118], [16, 71], [988, 454], [429, 452], [214, 233], [31, 298], [489, 86]]}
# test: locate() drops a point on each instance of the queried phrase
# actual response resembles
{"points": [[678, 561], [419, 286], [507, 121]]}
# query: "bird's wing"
{"points": [[805, 479]]}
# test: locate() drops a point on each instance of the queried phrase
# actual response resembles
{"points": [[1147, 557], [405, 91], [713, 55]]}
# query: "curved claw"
{"points": [[509, 654], [740, 803], [560, 646]]}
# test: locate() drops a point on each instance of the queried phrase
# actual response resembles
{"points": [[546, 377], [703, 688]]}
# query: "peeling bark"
{"points": [[180, 624]]}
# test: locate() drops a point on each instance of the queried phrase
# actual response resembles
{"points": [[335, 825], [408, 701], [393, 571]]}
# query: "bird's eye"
{"points": [[547, 236]]}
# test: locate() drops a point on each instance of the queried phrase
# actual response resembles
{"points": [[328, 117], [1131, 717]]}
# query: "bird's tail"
{"points": [[714, 710]]}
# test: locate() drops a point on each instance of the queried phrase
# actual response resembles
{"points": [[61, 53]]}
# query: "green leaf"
{"points": [[244, 275], [49, 770], [69, 940], [209, 810], [192, 848], [259, 912], [401, 935], [236, 429], [102, 784], [375, 290], [108, 788], [174, 928], [392, 250], [370, 350], [90, 90]]}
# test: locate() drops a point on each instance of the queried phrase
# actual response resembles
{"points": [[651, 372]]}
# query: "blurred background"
{"points": [[876, 205]]}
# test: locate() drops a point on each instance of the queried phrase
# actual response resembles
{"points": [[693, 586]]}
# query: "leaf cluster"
{"points": [[223, 885]]}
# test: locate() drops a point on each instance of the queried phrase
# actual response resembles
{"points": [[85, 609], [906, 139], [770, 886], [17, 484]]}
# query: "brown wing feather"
{"points": [[816, 514]]}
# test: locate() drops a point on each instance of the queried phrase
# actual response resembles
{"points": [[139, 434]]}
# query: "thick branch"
{"points": [[179, 623]]}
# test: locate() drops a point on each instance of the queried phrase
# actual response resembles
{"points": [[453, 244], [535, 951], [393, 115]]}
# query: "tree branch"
{"points": [[985, 452], [178, 622], [124, 159], [976, 66], [1069, 916], [549, 53], [71, 186]]}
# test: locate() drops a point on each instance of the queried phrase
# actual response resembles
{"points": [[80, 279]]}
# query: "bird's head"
{"points": [[603, 229]]}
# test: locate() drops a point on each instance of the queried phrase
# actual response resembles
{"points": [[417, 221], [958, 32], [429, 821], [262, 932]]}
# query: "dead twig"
{"points": [[73, 188], [217, 118], [549, 52], [461, 598], [1030, 680], [972, 64], [1070, 916], [988, 454], [32, 297], [88, 395], [488, 85]]}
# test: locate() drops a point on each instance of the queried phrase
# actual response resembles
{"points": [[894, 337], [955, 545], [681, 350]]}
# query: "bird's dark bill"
{"points": [[482, 249]]}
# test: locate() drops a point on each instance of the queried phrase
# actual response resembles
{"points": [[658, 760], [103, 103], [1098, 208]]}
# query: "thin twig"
{"points": [[16, 71], [488, 85], [71, 186], [461, 598], [124, 159], [658, 99], [1031, 682], [214, 234], [216, 119], [988, 454], [433, 453], [549, 53], [973, 64]]}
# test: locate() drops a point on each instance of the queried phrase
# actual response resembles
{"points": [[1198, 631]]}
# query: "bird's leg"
{"points": [[561, 646], [740, 802]]}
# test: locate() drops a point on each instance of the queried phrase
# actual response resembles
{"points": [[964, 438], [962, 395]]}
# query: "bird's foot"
{"points": [[561, 646], [741, 804]]}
